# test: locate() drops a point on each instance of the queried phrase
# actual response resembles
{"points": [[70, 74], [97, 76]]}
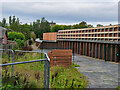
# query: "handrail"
{"points": [[46, 64], [22, 62]]}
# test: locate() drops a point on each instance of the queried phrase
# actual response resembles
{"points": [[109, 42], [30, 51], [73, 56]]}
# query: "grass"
{"points": [[62, 77], [31, 75], [118, 88]]}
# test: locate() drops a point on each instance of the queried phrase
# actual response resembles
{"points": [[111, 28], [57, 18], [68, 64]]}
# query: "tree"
{"points": [[40, 27], [25, 29], [4, 22], [0, 23], [10, 21], [55, 28], [13, 20], [14, 23], [99, 25], [83, 24], [90, 26], [33, 36], [44, 27], [16, 35]]}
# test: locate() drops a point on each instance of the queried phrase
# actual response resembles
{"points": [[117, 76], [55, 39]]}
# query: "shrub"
{"points": [[16, 35], [20, 43]]}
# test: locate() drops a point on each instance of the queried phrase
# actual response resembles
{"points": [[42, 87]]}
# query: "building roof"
{"points": [[90, 28], [38, 40]]}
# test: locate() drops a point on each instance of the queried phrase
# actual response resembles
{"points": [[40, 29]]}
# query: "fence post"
{"points": [[46, 73], [12, 62]]}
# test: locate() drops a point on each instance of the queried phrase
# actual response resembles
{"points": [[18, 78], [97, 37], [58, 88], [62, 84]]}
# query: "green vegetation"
{"points": [[55, 28], [19, 38], [31, 75], [16, 35], [38, 27], [82, 24], [118, 88], [62, 77]]}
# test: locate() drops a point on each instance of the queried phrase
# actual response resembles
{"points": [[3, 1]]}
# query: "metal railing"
{"points": [[46, 64]]}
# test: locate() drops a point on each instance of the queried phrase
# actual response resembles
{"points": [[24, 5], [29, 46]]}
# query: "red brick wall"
{"points": [[50, 36], [5, 39], [60, 57]]}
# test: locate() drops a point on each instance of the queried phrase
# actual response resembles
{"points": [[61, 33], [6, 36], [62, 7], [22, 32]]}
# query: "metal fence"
{"points": [[17, 61]]}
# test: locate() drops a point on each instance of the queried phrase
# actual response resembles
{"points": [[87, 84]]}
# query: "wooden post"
{"points": [[77, 47], [64, 44], [103, 51], [95, 50], [89, 50], [80, 49], [69, 44], [99, 51], [92, 49], [111, 58], [86, 48], [83, 48], [72, 47], [116, 49], [106, 51]]}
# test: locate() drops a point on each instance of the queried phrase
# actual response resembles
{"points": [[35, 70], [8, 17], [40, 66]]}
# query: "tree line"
{"points": [[38, 27]]}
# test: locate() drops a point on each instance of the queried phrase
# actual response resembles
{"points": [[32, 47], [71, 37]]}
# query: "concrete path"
{"points": [[100, 74]]}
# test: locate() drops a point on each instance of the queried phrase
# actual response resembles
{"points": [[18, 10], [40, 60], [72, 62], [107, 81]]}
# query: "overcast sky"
{"points": [[62, 11]]}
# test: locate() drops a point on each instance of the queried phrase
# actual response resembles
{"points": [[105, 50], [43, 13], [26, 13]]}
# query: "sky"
{"points": [[62, 11]]}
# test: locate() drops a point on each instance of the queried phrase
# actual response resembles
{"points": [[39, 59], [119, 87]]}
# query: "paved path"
{"points": [[99, 73]]}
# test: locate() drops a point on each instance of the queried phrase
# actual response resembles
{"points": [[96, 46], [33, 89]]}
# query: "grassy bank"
{"points": [[32, 75]]}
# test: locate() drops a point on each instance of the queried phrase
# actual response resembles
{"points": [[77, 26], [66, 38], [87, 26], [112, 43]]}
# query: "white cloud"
{"points": [[64, 11], [59, 0]]}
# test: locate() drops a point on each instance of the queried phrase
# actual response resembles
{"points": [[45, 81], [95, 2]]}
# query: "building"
{"points": [[99, 42], [3, 35], [52, 23], [105, 34]]}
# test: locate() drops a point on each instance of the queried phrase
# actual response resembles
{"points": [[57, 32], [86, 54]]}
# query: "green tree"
{"points": [[40, 27], [83, 24], [16, 35], [99, 25], [10, 21], [90, 26], [55, 28], [0, 23], [4, 22], [20, 43], [44, 27], [25, 29]]}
